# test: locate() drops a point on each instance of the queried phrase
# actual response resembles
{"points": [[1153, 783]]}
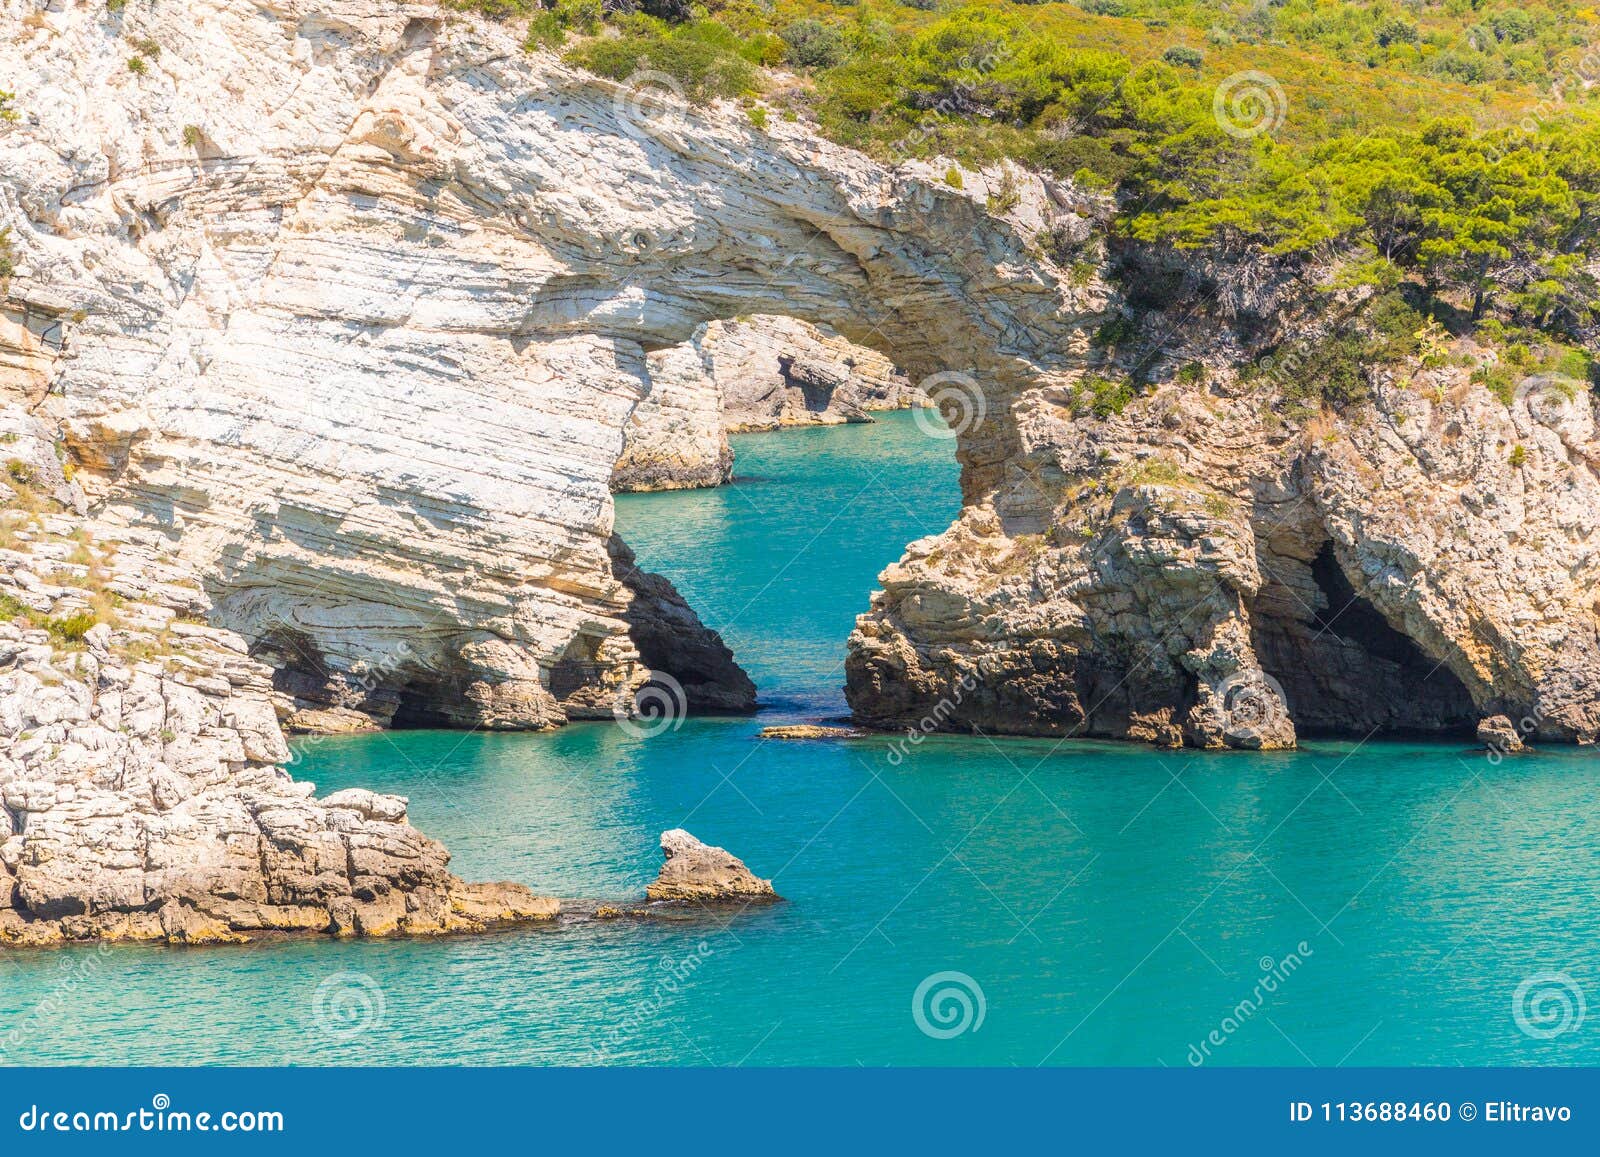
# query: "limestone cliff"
{"points": [[1199, 568], [758, 373], [140, 797], [349, 305], [347, 308], [337, 314]]}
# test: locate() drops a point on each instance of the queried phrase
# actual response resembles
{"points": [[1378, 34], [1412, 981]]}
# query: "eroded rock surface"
{"points": [[757, 373], [351, 304], [1196, 569], [700, 874], [361, 348], [140, 792]]}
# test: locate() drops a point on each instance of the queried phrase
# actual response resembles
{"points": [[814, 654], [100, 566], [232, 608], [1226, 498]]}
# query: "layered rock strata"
{"points": [[1195, 569], [140, 793], [350, 306]]}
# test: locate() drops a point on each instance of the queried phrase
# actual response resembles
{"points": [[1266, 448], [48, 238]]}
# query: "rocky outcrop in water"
{"points": [[1192, 567], [758, 373], [140, 793], [699, 874]]}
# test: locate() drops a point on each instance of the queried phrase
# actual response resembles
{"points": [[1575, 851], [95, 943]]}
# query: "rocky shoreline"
{"points": [[312, 418]]}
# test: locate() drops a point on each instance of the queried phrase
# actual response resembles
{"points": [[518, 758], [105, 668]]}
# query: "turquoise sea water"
{"points": [[1360, 904]]}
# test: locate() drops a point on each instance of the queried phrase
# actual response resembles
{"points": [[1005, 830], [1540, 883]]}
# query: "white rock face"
{"points": [[348, 305], [339, 310], [757, 373], [140, 797]]}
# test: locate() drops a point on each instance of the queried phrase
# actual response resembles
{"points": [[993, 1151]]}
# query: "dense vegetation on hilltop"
{"points": [[1443, 145]]}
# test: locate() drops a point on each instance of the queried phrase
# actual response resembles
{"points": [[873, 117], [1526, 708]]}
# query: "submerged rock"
{"points": [[701, 874], [810, 731]]}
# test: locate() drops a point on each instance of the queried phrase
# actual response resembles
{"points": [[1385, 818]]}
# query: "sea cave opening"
{"points": [[1347, 671]]}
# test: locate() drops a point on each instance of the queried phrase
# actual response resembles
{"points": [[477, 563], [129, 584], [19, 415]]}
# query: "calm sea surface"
{"points": [[1068, 903]]}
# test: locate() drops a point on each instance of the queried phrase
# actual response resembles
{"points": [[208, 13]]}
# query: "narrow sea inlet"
{"points": [[975, 902]]}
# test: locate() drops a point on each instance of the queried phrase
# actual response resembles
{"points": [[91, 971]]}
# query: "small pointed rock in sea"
{"points": [[702, 874]]}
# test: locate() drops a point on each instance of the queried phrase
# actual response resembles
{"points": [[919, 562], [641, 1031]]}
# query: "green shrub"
{"points": [[1118, 331], [1183, 56], [697, 58], [1104, 396], [1498, 380], [546, 30], [1393, 30], [496, 9], [70, 628], [1519, 455], [813, 44]]}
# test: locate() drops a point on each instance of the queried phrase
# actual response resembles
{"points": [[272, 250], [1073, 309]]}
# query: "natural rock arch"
{"points": [[367, 367]]}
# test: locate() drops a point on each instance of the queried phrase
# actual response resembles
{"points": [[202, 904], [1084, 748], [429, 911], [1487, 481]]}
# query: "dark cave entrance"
{"points": [[417, 706], [1346, 671]]}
